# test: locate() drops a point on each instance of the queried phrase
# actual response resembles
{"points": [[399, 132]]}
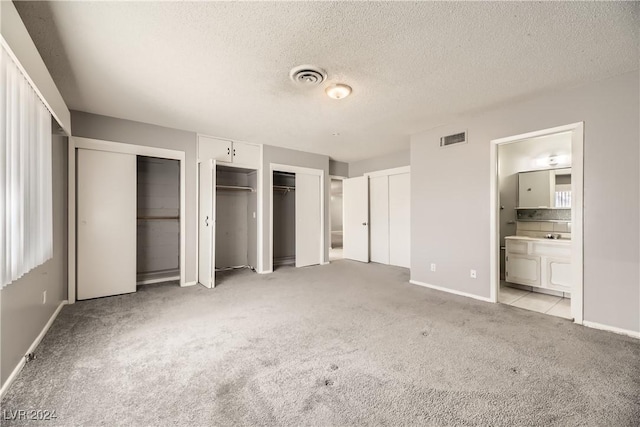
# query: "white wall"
{"points": [[392, 160], [450, 195]]}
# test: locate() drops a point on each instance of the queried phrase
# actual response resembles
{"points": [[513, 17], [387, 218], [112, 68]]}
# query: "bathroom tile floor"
{"points": [[534, 301]]}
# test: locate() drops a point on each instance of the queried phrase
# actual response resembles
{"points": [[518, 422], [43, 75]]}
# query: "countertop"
{"points": [[539, 239]]}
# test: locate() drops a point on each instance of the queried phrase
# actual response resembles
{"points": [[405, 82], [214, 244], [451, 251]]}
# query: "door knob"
{"points": [[364, 223]]}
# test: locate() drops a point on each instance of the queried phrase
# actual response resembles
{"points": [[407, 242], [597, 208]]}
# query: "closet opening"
{"points": [[335, 219], [284, 219], [236, 224], [157, 220]]}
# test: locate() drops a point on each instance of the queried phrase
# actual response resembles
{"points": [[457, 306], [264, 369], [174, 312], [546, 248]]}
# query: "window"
{"points": [[26, 217]]}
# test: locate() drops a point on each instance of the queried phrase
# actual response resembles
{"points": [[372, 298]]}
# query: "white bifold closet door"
{"points": [[207, 223], [106, 223], [379, 218], [400, 220], [308, 220], [355, 219]]}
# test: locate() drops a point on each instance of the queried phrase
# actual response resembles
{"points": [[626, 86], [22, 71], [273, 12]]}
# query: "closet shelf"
{"points": [[158, 217], [235, 188]]}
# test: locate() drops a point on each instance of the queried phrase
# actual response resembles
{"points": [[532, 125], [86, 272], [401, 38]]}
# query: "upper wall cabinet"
{"points": [[232, 152]]}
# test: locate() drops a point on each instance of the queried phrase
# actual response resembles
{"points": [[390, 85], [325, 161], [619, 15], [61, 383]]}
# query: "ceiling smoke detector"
{"points": [[308, 75]]}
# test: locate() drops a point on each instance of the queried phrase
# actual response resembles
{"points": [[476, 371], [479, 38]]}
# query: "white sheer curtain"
{"points": [[26, 211]]}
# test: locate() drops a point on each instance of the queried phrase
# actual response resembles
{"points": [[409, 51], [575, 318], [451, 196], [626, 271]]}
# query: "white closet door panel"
{"points": [[106, 223], [400, 220], [355, 202], [379, 218], [308, 220], [206, 223]]}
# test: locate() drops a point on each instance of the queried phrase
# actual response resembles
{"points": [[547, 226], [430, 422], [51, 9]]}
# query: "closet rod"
{"points": [[158, 217], [235, 187], [284, 188]]}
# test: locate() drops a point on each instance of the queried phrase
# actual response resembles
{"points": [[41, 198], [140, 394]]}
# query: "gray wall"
{"points": [[450, 191], [89, 125], [285, 156], [337, 168], [23, 314], [389, 161]]}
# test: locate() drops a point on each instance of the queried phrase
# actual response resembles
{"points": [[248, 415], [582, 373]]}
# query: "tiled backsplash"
{"points": [[543, 215], [542, 228]]}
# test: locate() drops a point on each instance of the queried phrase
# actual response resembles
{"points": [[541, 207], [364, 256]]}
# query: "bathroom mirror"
{"points": [[548, 188]]}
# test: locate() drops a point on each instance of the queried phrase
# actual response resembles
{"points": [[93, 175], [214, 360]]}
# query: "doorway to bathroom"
{"points": [[537, 221]]}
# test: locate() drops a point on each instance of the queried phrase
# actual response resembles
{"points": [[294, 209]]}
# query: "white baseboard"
{"points": [[451, 291], [31, 349], [594, 325], [325, 263], [265, 271], [190, 283], [158, 280]]}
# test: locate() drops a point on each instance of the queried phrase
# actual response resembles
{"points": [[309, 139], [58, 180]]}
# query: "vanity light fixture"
{"points": [[554, 161], [338, 91]]}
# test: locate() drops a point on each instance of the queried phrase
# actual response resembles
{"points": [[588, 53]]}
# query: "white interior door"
{"points": [[400, 220], [308, 220], [106, 223], [355, 199], [207, 223], [379, 218]]}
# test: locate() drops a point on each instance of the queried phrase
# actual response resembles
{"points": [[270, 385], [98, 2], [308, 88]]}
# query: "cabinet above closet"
{"points": [[229, 152]]}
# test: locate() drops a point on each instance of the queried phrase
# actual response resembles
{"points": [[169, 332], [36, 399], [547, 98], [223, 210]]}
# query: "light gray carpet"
{"points": [[343, 344]]}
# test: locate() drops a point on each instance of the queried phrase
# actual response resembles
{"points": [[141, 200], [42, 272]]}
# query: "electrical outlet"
{"points": [[433, 267], [473, 274], [44, 297], [254, 215]]}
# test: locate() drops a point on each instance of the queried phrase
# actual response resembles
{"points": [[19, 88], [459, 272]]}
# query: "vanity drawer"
{"points": [[551, 249], [517, 247]]}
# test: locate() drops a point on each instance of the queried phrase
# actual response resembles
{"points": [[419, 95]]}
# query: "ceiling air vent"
{"points": [[308, 75], [456, 138]]}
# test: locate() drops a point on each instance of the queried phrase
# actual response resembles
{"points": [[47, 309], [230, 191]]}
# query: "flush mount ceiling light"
{"points": [[338, 91]]}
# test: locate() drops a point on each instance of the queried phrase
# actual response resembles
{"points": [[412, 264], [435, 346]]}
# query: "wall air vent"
{"points": [[456, 138]]}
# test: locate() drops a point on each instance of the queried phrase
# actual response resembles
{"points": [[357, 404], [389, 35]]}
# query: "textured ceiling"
{"points": [[222, 68]]}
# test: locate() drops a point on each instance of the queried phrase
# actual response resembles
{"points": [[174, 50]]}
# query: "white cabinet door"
{"points": [[523, 269], [246, 154], [213, 148], [379, 218], [400, 220], [559, 273], [308, 220], [535, 189], [355, 219], [207, 223], [106, 223]]}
